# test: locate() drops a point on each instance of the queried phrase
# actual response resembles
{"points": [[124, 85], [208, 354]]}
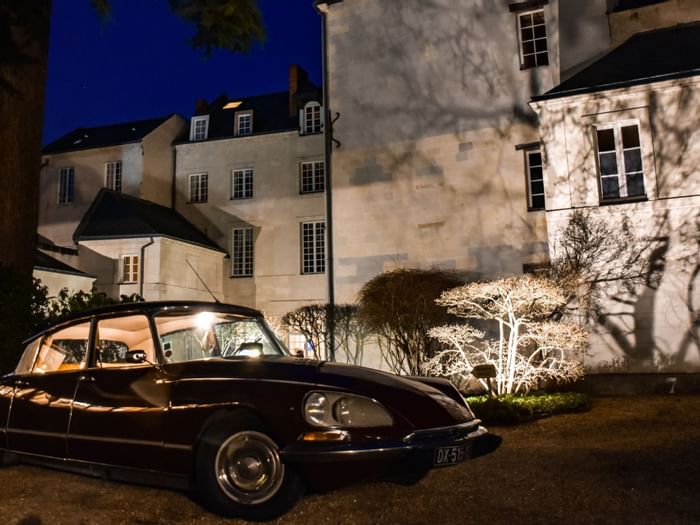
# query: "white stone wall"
{"points": [[275, 212], [167, 275], [58, 222], [654, 327], [158, 170], [432, 105], [56, 281]]}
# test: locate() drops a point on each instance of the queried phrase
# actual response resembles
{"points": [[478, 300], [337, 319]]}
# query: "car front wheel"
{"points": [[239, 472]]}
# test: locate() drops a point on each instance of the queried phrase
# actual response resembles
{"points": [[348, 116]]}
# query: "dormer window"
{"points": [[311, 118], [244, 123], [199, 128]]}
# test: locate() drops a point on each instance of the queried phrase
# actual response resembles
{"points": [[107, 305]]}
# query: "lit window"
{"points": [[242, 256], [199, 128], [199, 187], [113, 175], [535, 180], [312, 118], [242, 184], [312, 176], [620, 166], [313, 247], [533, 39], [244, 124], [66, 185], [130, 269]]}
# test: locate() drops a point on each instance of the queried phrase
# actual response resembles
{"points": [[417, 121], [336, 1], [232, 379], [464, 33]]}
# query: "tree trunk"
{"points": [[24, 44]]}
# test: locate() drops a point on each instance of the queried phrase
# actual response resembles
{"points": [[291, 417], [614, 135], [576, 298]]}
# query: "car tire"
{"points": [[239, 473]]}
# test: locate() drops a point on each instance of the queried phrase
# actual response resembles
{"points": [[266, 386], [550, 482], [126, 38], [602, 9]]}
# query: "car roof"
{"points": [[147, 307]]}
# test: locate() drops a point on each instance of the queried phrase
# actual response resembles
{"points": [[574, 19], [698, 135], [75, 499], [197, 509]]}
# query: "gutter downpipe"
{"points": [[142, 270], [327, 135]]}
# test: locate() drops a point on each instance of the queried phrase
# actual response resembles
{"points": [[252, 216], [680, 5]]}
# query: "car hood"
{"points": [[420, 404]]}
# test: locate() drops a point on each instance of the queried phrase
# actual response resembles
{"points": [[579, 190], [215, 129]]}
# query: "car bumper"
{"points": [[420, 444]]}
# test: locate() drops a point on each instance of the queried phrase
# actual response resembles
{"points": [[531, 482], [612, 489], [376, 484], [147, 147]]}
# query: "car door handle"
{"points": [[87, 379], [21, 382]]}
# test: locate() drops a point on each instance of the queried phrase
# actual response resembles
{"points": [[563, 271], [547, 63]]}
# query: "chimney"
{"points": [[297, 81], [200, 106]]}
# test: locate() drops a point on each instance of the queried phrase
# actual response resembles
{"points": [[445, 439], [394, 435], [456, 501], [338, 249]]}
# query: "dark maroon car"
{"points": [[204, 396]]}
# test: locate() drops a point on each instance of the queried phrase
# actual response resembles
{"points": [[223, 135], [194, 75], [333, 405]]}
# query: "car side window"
{"points": [[64, 349], [27, 361], [119, 335]]}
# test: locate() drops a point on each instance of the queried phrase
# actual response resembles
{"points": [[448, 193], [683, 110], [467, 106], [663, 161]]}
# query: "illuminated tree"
{"points": [[527, 347], [24, 46]]}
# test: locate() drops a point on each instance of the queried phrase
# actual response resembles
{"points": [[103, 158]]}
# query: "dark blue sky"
{"points": [[139, 65]]}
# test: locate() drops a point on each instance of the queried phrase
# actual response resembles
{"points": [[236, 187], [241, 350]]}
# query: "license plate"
{"points": [[445, 456]]}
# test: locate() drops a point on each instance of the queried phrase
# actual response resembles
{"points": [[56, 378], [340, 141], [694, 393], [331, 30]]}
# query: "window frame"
{"points": [[313, 250], [311, 126], [622, 174], [243, 262], [116, 175], [66, 186], [316, 178], [202, 188], [521, 42], [535, 150], [240, 115], [246, 187], [195, 135], [134, 272]]}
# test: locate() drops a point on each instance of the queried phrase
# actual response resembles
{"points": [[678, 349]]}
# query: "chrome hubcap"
{"points": [[248, 467]]}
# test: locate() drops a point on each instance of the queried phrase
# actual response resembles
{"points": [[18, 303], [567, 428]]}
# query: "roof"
{"points": [[47, 263], [652, 56], [114, 215], [270, 112], [101, 136]]}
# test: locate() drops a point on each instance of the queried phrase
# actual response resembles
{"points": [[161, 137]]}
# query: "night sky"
{"points": [[138, 64]]}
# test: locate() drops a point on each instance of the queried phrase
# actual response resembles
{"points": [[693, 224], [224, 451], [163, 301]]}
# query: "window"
{"points": [[313, 176], [313, 247], [533, 39], [117, 336], [242, 184], [113, 175], [312, 119], [130, 269], [244, 123], [535, 180], [199, 187], [199, 128], [66, 185], [242, 263], [620, 161], [65, 349]]}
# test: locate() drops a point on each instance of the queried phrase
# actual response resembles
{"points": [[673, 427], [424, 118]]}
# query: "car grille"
{"points": [[450, 433]]}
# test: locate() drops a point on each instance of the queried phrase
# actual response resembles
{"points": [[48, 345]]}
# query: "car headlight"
{"points": [[336, 409]]}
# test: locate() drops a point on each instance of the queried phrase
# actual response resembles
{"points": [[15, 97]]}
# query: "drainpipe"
{"points": [[328, 135], [142, 269]]}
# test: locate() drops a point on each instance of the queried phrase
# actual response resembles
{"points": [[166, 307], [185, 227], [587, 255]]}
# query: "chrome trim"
{"points": [[440, 431]]}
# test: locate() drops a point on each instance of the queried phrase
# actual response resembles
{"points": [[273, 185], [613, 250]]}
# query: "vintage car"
{"points": [[204, 396]]}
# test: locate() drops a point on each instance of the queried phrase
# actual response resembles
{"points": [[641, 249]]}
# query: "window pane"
{"points": [[608, 163], [606, 140], [537, 187], [630, 137], [538, 201], [526, 20], [535, 159], [540, 32], [633, 160], [535, 174], [635, 185], [541, 45], [538, 17], [611, 187], [529, 61], [528, 48], [527, 34], [542, 59], [115, 337]]}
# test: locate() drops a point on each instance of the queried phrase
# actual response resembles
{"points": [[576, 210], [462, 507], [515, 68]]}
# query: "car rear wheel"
{"points": [[239, 472]]}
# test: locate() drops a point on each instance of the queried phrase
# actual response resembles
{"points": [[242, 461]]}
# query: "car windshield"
{"points": [[191, 336]]}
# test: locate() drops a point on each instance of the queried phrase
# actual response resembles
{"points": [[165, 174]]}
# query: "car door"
{"points": [[120, 406], [44, 386]]}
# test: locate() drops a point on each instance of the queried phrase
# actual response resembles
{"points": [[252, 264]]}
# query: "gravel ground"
{"points": [[627, 460]]}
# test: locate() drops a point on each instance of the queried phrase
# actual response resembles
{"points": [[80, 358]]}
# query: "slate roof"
{"points": [[652, 56], [43, 261], [270, 112], [101, 136], [114, 215]]}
